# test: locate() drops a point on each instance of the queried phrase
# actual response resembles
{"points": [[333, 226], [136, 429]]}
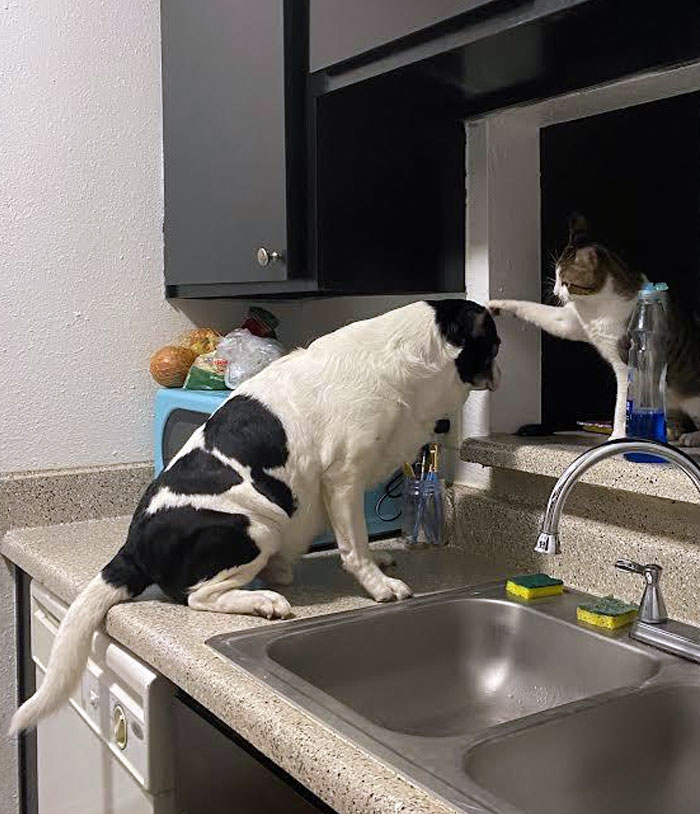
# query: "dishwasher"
{"points": [[129, 742], [110, 749]]}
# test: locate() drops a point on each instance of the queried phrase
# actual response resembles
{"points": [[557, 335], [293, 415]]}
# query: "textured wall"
{"points": [[81, 304], [81, 300]]}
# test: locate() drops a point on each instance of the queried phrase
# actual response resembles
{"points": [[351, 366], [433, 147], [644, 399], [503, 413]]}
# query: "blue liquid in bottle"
{"points": [[649, 424]]}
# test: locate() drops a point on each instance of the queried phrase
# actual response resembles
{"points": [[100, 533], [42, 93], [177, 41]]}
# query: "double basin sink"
{"points": [[494, 704]]}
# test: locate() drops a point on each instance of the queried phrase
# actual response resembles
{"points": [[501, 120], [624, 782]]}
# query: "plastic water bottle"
{"points": [[646, 371]]}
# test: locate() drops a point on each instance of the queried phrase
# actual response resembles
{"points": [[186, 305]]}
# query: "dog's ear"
{"points": [[470, 327], [460, 320]]}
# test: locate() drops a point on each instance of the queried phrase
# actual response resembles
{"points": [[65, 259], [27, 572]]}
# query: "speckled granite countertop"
{"points": [[171, 638], [551, 455]]}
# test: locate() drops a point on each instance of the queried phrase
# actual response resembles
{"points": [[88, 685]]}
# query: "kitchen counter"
{"points": [[172, 638], [551, 455]]}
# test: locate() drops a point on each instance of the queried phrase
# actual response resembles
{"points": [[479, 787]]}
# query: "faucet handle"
{"points": [[635, 568], [652, 608]]}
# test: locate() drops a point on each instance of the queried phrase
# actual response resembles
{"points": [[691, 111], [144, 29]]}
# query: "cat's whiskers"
{"points": [[549, 296]]}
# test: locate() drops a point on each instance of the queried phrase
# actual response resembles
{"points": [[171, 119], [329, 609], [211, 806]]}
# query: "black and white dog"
{"points": [[290, 452]]}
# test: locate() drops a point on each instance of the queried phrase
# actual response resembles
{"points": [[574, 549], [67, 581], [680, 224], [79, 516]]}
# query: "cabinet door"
{"points": [[211, 767], [390, 189], [223, 140]]}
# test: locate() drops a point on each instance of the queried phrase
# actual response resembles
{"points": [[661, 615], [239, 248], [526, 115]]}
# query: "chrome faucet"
{"points": [[652, 627], [548, 540]]}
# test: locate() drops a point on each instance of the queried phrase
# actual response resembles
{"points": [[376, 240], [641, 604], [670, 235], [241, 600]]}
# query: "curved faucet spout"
{"points": [[548, 540]]}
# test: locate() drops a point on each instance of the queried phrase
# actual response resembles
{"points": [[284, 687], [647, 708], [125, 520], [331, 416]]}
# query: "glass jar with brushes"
{"points": [[423, 512]]}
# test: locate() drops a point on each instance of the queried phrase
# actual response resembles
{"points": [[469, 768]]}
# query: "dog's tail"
{"points": [[72, 644]]}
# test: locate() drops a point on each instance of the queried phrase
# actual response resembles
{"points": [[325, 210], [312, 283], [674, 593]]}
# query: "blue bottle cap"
{"points": [[661, 287]]}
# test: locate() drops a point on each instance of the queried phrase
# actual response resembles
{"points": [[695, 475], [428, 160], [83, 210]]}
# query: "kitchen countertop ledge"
{"points": [[550, 456], [172, 637]]}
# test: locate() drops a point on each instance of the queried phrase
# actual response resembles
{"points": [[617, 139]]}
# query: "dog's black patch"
{"points": [[275, 490], [125, 570], [200, 473], [469, 326], [177, 548], [245, 430], [455, 318]]}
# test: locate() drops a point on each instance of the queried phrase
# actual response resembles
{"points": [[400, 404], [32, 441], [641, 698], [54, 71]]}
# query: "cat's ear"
{"points": [[578, 229], [587, 258]]}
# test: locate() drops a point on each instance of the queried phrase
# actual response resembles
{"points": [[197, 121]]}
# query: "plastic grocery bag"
{"points": [[207, 372], [246, 355]]}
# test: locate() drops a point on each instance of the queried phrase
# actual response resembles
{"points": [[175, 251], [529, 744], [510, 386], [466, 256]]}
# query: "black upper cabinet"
{"points": [[344, 29], [389, 189], [350, 179], [358, 192], [233, 144]]}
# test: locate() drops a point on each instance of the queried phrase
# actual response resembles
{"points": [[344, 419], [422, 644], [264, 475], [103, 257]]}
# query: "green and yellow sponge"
{"points": [[607, 612], [534, 586]]}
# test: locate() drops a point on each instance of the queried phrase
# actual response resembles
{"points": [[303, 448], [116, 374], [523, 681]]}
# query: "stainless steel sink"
{"points": [[448, 688], [463, 663], [638, 754]]}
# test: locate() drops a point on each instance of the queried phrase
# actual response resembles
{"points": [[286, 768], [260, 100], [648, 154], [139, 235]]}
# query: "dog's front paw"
{"points": [[389, 590], [384, 559], [278, 572]]}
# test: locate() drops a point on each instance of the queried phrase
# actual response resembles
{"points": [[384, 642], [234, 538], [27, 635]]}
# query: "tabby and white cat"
{"points": [[598, 293]]}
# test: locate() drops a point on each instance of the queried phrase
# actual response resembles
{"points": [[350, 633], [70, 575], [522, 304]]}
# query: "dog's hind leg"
{"points": [[269, 604], [224, 593]]}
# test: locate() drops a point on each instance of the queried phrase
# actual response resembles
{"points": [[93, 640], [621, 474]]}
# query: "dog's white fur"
{"points": [[354, 405]]}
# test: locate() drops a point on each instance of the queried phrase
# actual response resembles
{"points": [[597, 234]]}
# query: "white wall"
{"points": [[503, 253], [81, 304], [80, 240]]}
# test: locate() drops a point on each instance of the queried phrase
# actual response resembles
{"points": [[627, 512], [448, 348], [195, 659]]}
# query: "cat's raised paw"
{"points": [[495, 307]]}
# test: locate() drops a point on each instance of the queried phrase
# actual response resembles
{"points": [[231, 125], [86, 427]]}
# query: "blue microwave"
{"points": [[178, 413]]}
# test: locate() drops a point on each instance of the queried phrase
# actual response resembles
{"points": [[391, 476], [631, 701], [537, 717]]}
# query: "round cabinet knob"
{"points": [[119, 727], [265, 257]]}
